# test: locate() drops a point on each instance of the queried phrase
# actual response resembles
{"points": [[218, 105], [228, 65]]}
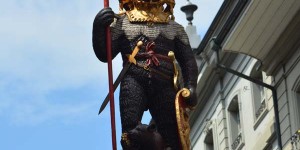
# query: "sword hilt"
{"points": [[134, 52]]}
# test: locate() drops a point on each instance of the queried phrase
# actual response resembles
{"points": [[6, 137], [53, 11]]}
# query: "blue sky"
{"points": [[51, 83]]}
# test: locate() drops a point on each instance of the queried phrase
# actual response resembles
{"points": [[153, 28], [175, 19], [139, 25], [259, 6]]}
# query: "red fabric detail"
{"points": [[150, 51]]}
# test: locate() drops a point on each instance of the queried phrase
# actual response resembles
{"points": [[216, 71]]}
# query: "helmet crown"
{"points": [[160, 11]]}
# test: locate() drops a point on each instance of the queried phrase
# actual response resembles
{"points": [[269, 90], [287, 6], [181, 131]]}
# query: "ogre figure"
{"points": [[149, 83]]}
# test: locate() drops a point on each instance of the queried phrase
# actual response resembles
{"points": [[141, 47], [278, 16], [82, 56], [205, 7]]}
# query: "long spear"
{"points": [[110, 82]]}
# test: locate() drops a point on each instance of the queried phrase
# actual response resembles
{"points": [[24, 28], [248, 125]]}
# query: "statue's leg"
{"points": [[132, 103], [162, 109]]}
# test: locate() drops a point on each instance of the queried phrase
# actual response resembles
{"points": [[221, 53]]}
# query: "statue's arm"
{"points": [[186, 59], [102, 20]]}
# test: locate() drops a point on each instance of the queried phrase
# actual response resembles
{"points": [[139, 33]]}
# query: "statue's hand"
{"points": [[106, 16], [191, 101]]}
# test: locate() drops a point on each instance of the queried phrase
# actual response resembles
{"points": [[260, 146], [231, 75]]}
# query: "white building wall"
{"points": [[255, 134], [287, 79], [280, 58]]}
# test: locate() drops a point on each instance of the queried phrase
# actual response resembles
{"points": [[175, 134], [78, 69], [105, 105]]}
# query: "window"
{"points": [[295, 110], [298, 98], [298, 103], [209, 140], [258, 95], [295, 139], [234, 117], [235, 124]]}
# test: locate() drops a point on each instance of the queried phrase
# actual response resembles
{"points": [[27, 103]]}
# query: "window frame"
{"points": [[237, 140], [261, 110]]}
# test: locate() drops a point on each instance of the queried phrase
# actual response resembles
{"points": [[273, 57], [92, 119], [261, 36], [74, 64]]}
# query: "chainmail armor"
{"points": [[131, 30]]}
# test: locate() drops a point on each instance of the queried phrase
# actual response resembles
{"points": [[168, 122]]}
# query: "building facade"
{"points": [[260, 40]]}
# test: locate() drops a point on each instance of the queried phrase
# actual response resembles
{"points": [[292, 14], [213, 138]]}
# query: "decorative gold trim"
{"points": [[158, 11], [134, 52], [125, 138], [183, 118], [176, 72]]}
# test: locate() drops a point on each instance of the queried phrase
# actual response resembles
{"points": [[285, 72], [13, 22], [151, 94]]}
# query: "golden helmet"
{"points": [[166, 5]]}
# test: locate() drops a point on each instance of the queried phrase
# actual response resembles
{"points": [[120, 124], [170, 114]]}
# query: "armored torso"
{"points": [[166, 36]]}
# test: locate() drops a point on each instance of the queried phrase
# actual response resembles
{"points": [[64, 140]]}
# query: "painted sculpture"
{"points": [[148, 27]]}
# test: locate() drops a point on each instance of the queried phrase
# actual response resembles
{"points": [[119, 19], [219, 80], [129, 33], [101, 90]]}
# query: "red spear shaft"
{"points": [[110, 82]]}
